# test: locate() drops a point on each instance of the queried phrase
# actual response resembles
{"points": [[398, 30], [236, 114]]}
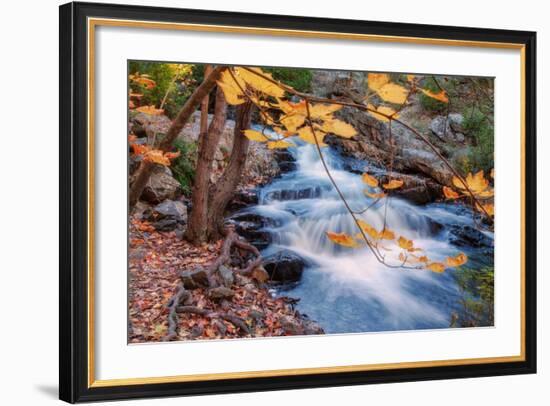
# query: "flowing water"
{"points": [[347, 289]]}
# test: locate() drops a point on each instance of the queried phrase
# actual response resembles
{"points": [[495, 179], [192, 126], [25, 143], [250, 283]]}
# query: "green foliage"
{"points": [[478, 127], [298, 78], [169, 77], [429, 103], [183, 167], [477, 291]]}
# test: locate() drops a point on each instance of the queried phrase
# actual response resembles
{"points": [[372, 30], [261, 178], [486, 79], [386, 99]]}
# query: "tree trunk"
{"points": [[196, 226], [146, 167], [224, 189], [204, 107]]}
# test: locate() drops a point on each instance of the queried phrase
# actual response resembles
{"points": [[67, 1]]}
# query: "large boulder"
{"points": [[161, 186], [468, 236], [448, 128], [242, 198], [251, 226], [416, 189], [306, 192], [168, 215], [284, 266]]}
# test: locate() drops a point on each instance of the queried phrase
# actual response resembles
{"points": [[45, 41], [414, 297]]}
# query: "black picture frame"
{"points": [[74, 200]]}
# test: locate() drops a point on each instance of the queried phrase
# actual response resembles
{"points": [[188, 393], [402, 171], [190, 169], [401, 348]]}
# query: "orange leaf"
{"points": [[375, 195], [369, 180], [172, 155], [140, 149], [441, 96], [152, 110], [405, 243], [437, 267], [460, 259], [387, 234], [342, 239], [157, 156], [450, 193], [393, 184], [368, 229]]}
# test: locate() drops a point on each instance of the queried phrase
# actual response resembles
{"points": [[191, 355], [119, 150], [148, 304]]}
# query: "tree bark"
{"points": [[196, 226], [224, 189], [146, 167], [204, 107]]}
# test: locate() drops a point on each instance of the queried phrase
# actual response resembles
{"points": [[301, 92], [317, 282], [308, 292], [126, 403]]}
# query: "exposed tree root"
{"points": [[232, 239], [236, 321], [181, 295]]}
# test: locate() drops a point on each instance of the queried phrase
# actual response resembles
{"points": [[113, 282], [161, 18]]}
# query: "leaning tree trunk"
{"points": [[223, 190], [145, 168], [196, 227]]}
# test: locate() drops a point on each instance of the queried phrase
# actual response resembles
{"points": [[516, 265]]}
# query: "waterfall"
{"points": [[345, 289]]}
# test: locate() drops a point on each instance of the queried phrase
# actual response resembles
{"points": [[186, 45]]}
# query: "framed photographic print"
{"points": [[256, 202]]}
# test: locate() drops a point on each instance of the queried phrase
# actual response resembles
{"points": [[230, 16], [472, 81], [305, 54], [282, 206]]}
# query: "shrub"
{"points": [[298, 78], [478, 127], [163, 74], [477, 289], [183, 167]]}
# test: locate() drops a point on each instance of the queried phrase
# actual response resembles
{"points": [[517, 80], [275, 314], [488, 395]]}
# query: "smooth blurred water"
{"points": [[348, 290]]}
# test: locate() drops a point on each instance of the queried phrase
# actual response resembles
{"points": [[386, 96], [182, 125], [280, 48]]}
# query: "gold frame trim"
{"points": [[94, 22]]}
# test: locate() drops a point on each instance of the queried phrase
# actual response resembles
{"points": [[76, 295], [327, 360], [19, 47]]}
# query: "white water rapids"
{"points": [[347, 289]]}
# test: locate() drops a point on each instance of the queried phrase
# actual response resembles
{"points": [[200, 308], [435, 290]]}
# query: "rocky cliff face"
{"points": [[412, 160]]}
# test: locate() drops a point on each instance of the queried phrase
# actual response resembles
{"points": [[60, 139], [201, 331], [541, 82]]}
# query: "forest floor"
{"points": [[156, 262]]}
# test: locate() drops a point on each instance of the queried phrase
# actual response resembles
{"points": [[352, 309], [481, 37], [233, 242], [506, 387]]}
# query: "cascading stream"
{"points": [[348, 290]]}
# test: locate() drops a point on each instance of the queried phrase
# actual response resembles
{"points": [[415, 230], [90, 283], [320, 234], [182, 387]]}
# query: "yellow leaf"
{"points": [[381, 112], [375, 195], [441, 95], [450, 193], [377, 80], [393, 93], [290, 107], [460, 259], [342, 239], [368, 229], [278, 144], [423, 259], [393, 184], [338, 127], [369, 180], [322, 110], [292, 121], [157, 156], [489, 208], [477, 183], [231, 88], [387, 234], [259, 83], [404, 243], [306, 134], [411, 78], [253, 135], [152, 110], [233, 95], [437, 267], [486, 193]]}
